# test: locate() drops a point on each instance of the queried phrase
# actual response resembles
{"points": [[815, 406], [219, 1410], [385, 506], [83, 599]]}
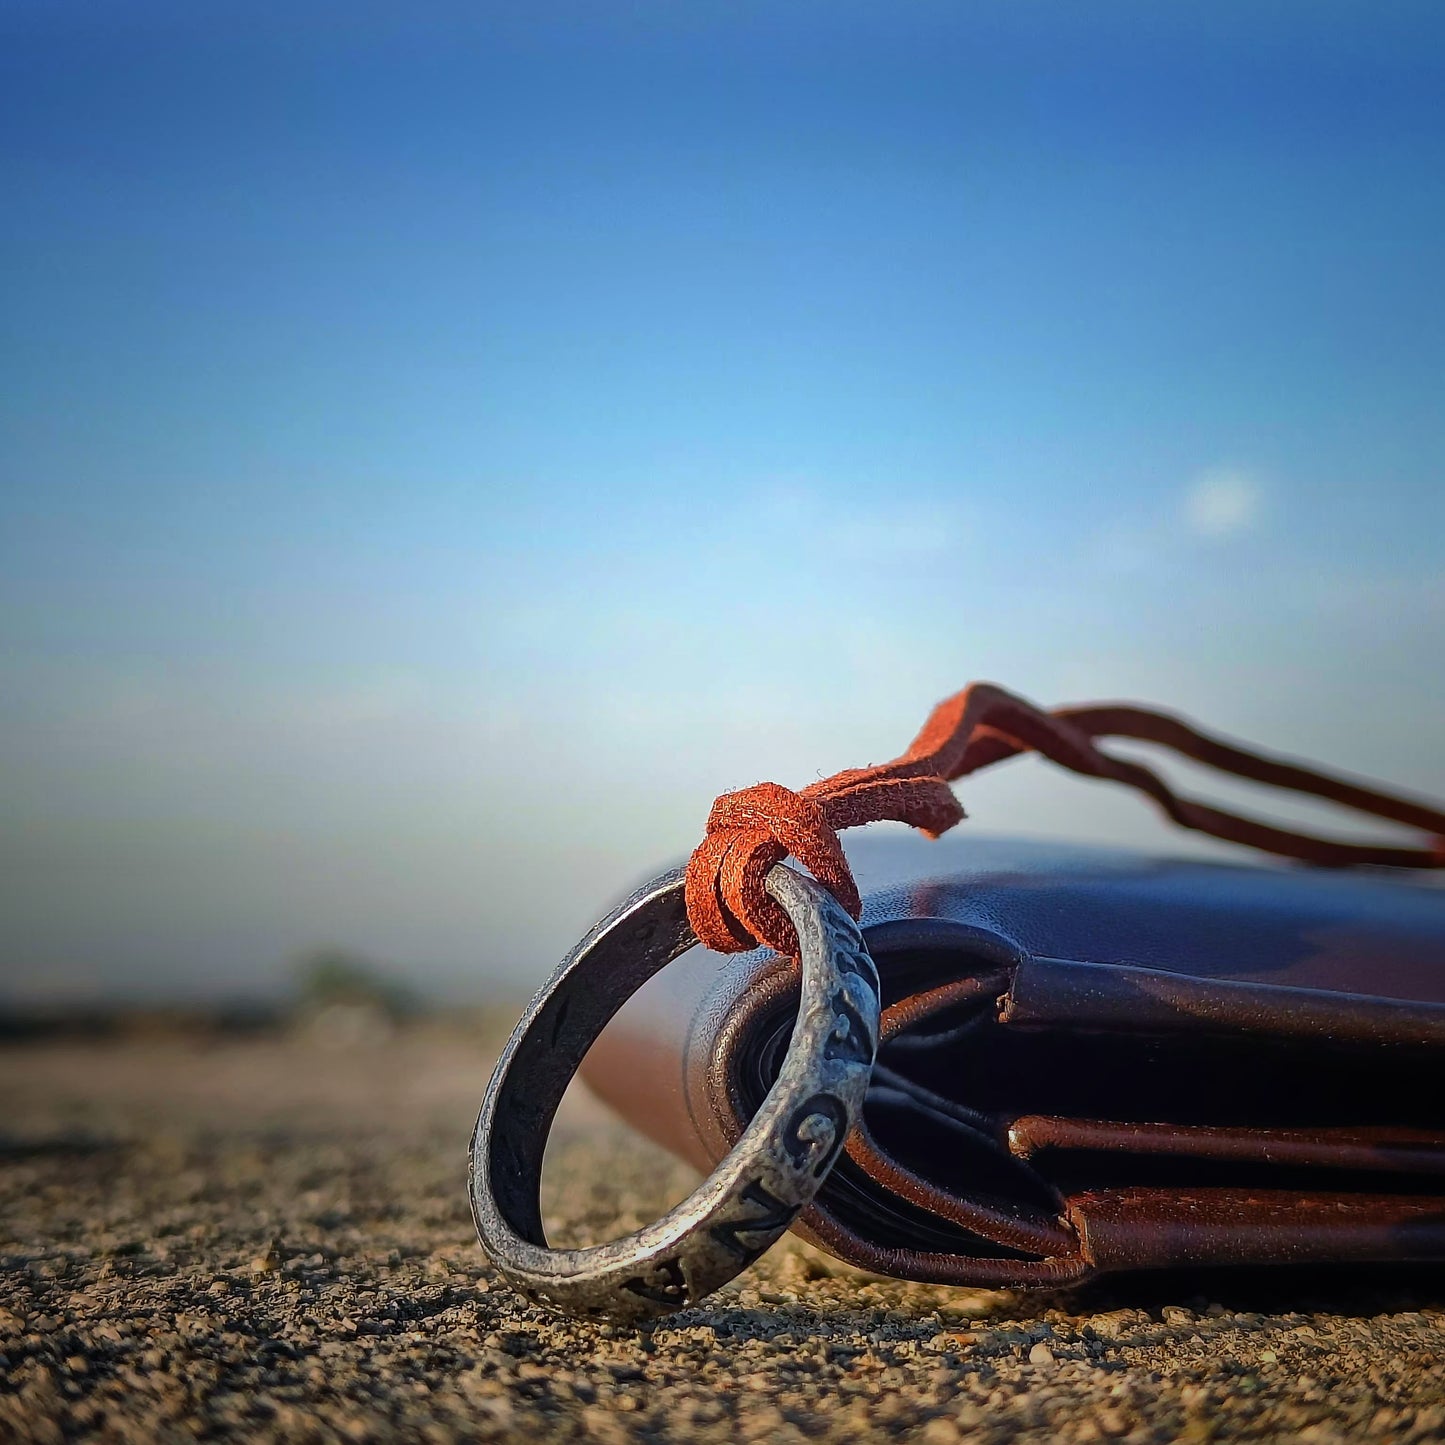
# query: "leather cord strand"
{"points": [[750, 830]]}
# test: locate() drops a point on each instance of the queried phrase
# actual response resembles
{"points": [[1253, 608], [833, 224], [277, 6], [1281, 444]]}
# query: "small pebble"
{"points": [[940, 1432], [269, 1262]]}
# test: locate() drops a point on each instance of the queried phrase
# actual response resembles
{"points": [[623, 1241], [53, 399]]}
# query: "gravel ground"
{"points": [[269, 1240]]}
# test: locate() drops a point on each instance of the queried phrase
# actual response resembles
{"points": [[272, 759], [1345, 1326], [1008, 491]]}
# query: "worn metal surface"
{"points": [[771, 1174]]}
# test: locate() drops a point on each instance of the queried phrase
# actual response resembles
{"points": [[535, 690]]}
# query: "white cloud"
{"points": [[1222, 502]]}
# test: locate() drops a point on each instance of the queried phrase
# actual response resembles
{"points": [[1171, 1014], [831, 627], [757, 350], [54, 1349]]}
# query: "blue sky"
{"points": [[440, 452]]}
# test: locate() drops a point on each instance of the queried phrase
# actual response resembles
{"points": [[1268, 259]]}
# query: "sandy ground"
{"points": [[269, 1240]]}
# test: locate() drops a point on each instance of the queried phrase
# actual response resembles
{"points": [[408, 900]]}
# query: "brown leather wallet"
{"points": [[1091, 1060]]}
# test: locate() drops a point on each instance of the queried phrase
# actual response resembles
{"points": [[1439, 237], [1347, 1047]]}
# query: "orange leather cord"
{"points": [[750, 830]]}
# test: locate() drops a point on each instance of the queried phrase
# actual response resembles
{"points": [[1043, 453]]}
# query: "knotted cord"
{"points": [[750, 830]]}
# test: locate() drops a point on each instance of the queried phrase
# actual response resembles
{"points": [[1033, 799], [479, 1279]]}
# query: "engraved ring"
{"points": [[772, 1172]]}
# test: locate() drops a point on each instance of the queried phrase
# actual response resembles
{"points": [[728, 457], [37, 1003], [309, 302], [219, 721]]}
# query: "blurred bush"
{"points": [[345, 998]]}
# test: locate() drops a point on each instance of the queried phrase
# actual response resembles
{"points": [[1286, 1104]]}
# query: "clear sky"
{"points": [[442, 447]]}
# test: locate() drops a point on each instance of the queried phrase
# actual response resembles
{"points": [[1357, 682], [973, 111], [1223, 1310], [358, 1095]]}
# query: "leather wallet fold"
{"points": [[1091, 1060]]}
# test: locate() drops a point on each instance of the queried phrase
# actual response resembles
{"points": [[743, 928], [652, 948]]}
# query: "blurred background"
{"points": [[443, 447]]}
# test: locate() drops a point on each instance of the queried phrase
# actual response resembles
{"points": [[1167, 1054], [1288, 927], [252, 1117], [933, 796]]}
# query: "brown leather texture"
{"points": [[1091, 1060]]}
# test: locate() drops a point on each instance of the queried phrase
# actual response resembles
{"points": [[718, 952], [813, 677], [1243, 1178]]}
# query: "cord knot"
{"points": [[747, 833], [750, 831]]}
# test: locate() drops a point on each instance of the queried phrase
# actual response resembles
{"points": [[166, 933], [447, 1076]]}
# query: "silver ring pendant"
{"points": [[771, 1174]]}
